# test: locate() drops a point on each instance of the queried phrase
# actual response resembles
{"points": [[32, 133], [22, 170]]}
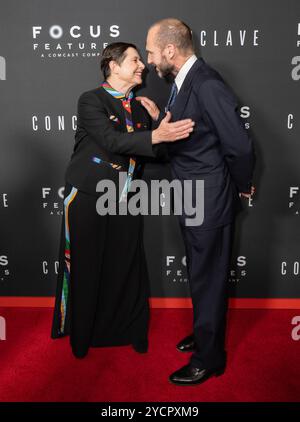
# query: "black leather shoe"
{"points": [[79, 354], [140, 346], [189, 375], [187, 344]]}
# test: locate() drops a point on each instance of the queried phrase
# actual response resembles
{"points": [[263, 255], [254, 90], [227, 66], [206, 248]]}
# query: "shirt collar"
{"points": [[181, 75]]}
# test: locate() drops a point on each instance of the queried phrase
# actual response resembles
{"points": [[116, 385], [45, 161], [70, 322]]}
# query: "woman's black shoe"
{"points": [[140, 346]]}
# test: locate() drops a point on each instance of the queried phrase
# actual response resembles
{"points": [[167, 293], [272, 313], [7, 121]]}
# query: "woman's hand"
{"points": [[172, 131], [150, 106]]}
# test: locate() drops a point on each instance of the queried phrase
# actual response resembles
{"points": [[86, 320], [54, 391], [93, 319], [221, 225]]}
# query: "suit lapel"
{"points": [[180, 102]]}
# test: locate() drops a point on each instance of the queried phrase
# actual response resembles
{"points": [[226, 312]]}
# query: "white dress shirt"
{"points": [[184, 71]]}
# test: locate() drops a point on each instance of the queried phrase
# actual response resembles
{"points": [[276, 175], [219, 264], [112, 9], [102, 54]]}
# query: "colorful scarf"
{"points": [[130, 128]]}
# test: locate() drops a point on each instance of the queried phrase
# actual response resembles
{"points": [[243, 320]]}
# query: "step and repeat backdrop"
{"points": [[50, 53]]}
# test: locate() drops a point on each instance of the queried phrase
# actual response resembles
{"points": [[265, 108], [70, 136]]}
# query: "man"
{"points": [[220, 153]]}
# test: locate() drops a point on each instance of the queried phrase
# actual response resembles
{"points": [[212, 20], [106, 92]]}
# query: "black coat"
{"points": [[97, 135], [219, 150]]}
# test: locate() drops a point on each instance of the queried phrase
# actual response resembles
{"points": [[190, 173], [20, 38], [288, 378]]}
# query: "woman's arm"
{"points": [[93, 118]]}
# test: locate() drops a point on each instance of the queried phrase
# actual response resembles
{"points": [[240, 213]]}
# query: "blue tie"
{"points": [[172, 96]]}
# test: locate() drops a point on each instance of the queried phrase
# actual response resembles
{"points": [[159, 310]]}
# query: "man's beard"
{"points": [[165, 69]]}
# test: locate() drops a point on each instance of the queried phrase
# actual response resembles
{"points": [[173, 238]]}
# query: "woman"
{"points": [[102, 290]]}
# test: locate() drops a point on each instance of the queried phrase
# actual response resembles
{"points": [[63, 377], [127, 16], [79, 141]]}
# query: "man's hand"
{"points": [[174, 131], [248, 195], [150, 106]]}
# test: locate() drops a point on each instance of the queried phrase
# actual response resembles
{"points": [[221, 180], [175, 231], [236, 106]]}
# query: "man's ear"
{"points": [[114, 67], [170, 50]]}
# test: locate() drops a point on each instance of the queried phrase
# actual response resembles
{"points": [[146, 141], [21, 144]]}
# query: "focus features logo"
{"points": [[176, 269], [75, 41], [53, 200], [294, 199]]}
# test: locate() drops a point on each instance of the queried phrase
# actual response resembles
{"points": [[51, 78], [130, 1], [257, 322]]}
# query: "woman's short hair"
{"points": [[116, 52]]}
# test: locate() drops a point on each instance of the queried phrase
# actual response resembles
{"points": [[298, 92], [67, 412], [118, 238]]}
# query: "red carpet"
{"points": [[263, 361]]}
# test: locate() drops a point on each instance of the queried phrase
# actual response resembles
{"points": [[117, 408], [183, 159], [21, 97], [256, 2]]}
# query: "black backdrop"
{"points": [[49, 55]]}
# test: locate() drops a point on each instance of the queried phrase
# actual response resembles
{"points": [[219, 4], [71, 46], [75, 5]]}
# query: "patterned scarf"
{"points": [[130, 128]]}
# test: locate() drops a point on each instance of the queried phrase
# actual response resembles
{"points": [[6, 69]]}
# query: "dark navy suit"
{"points": [[220, 152]]}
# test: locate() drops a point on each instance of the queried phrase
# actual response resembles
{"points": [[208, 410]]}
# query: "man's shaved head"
{"points": [[173, 31]]}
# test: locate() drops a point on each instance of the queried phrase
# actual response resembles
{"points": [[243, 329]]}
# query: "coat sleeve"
{"points": [[221, 111], [156, 123], [93, 118]]}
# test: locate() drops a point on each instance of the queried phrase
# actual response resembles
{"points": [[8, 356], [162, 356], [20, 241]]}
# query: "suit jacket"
{"points": [[101, 132], [219, 150]]}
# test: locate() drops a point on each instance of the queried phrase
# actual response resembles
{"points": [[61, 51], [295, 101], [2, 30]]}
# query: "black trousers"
{"points": [[208, 258]]}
